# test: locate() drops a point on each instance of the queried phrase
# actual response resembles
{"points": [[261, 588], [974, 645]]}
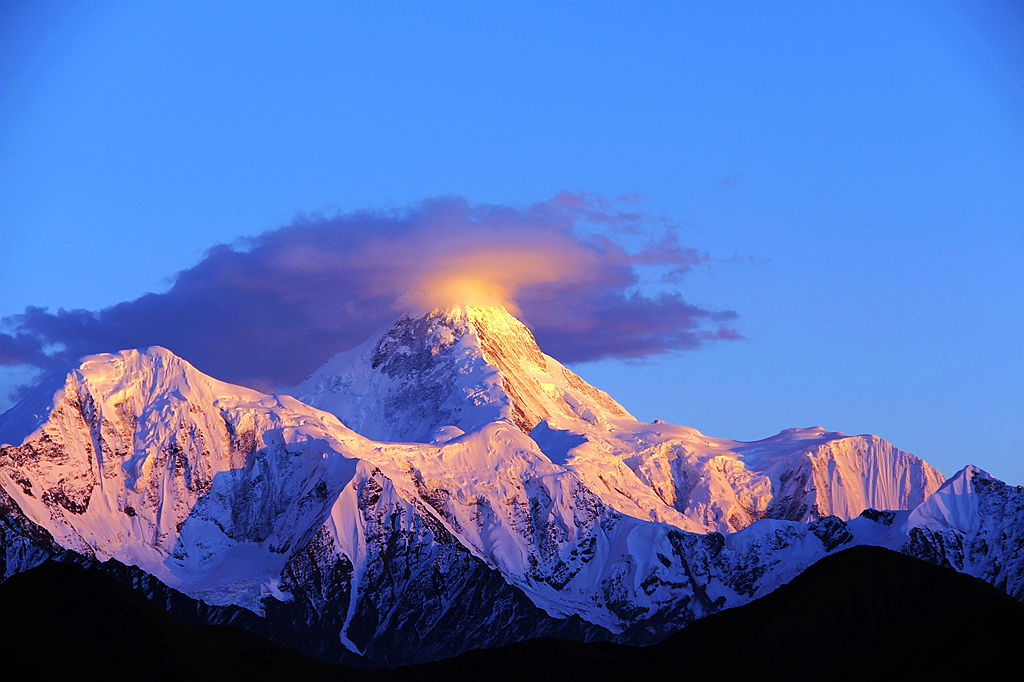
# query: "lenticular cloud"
{"points": [[268, 310]]}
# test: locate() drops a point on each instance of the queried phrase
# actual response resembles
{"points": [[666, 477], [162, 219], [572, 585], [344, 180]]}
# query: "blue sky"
{"points": [[854, 172]]}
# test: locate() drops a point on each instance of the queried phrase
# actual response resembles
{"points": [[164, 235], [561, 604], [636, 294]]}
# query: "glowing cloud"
{"points": [[269, 310], [493, 277]]}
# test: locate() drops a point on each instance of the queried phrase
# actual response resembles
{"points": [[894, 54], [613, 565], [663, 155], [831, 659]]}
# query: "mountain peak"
{"points": [[954, 504], [465, 312], [462, 366], [484, 320], [133, 375]]}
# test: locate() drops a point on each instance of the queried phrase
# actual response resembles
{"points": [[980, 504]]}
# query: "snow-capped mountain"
{"points": [[467, 491], [138, 456], [449, 372]]}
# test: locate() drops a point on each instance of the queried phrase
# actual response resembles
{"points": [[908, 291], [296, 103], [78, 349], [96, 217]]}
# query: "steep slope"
{"points": [[23, 544], [973, 524], [680, 476], [392, 581]]}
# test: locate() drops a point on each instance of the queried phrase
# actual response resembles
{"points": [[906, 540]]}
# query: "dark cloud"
{"points": [[21, 349], [269, 310]]}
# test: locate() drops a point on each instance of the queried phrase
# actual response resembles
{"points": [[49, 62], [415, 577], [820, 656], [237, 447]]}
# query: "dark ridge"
{"points": [[861, 612], [64, 621]]}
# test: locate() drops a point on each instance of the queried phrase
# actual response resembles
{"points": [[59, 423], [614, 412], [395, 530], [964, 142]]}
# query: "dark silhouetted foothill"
{"points": [[862, 611]]}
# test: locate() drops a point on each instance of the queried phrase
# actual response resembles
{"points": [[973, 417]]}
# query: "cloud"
{"points": [[267, 311]]}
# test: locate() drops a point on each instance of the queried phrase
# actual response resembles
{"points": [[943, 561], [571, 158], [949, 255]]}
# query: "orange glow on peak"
{"points": [[491, 277]]}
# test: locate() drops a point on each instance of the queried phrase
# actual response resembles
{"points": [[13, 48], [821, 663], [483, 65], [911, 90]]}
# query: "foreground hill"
{"points": [[864, 612]]}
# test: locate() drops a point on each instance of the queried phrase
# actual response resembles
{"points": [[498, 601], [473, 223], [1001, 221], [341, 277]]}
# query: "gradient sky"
{"points": [[855, 172]]}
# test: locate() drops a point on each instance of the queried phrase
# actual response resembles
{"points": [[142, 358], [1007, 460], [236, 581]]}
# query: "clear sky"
{"points": [[855, 172]]}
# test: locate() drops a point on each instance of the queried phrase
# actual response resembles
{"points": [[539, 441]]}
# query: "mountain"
{"points": [[973, 524], [236, 497], [449, 372], [517, 501], [140, 457]]}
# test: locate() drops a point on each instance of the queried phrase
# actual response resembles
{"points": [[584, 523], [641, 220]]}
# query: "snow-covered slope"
{"points": [[973, 524], [680, 476], [140, 457], [241, 498]]}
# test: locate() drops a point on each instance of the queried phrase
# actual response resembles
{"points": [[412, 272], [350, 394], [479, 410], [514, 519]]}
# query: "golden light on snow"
{"points": [[446, 291], [493, 277]]}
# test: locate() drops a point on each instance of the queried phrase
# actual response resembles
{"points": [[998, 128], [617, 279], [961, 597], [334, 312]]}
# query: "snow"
{"points": [[954, 505]]}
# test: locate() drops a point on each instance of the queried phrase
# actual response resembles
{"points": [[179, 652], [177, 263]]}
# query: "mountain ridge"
{"points": [[487, 362]]}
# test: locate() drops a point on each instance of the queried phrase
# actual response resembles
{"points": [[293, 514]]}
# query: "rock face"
{"points": [[387, 578], [501, 498], [23, 544]]}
